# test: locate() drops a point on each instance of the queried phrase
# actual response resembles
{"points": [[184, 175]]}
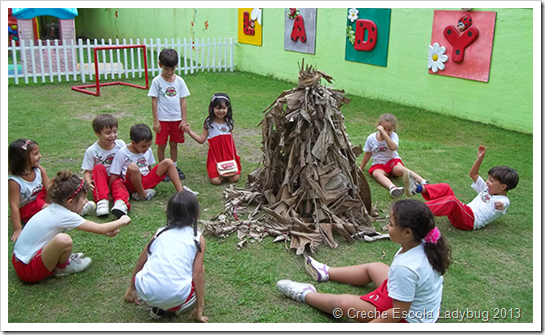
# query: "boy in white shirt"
{"points": [[96, 166], [133, 164], [168, 104], [490, 204]]}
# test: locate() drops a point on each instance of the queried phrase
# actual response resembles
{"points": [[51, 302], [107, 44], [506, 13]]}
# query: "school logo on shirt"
{"points": [[170, 92], [36, 190], [485, 197], [141, 162], [380, 148], [109, 159]]}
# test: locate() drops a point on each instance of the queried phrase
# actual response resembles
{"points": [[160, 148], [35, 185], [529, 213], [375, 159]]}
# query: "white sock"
{"points": [[423, 182], [393, 186], [175, 163]]}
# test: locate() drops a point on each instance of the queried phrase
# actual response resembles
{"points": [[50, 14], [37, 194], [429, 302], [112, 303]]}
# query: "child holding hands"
{"points": [[490, 204], [169, 274], [218, 127], [43, 248], [410, 290], [382, 147]]}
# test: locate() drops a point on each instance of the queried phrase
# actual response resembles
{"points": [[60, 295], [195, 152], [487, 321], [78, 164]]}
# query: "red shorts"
{"points": [[380, 299], [172, 129], [385, 167], [148, 181], [191, 296], [32, 272], [28, 210]]}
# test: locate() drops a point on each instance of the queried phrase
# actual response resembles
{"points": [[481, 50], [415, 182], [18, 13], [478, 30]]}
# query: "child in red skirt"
{"points": [[382, 147], [27, 183], [410, 290]]}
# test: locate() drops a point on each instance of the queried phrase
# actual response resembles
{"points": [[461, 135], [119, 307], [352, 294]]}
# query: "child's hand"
{"points": [[15, 235], [499, 205], [482, 151], [156, 126], [125, 219], [112, 233], [185, 127], [380, 128], [92, 185], [197, 313], [131, 296]]}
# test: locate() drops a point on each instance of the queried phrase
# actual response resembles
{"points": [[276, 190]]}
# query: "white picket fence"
{"points": [[55, 62]]}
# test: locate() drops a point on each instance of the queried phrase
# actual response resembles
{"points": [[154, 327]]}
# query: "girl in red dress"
{"points": [[217, 129]]}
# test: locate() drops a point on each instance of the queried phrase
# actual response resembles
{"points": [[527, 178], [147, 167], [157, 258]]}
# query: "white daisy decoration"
{"points": [[436, 57], [256, 15], [353, 14]]}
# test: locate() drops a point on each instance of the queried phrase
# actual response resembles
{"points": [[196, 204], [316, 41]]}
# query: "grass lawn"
{"points": [[492, 267]]}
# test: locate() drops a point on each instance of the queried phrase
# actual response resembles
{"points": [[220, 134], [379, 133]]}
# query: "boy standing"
{"points": [[168, 104], [488, 205], [133, 163], [96, 165]]}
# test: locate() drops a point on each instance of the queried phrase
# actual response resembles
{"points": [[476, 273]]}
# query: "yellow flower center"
{"points": [[435, 57]]}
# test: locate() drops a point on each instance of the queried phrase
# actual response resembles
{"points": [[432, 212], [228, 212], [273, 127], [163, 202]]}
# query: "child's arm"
{"points": [[45, 179], [389, 142], [88, 176], [198, 281], [183, 108], [156, 124], [109, 229], [365, 160], [200, 139], [13, 195], [395, 314], [131, 295], [474, 172]]}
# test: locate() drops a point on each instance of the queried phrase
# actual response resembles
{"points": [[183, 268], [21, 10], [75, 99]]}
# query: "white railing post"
{"points": [[185, 56]]}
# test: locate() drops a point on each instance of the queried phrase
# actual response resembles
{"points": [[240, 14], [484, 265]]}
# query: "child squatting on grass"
{"points": [[218, 128], [410, 290], [96, 165], [43, 248], [27, 183], [382, 147], [168, 105], [490, 204], [169, 273]]}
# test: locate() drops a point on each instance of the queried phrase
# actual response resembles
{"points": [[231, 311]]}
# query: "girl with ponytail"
{"points": [[409, 290], [169, 274]]}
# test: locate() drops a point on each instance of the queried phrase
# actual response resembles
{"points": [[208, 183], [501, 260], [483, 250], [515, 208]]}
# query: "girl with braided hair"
{"points": [[43, 247], [409, 290], [169, 273]]}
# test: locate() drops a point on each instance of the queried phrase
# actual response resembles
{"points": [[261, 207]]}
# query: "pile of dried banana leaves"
{"points": [[309, 184]]}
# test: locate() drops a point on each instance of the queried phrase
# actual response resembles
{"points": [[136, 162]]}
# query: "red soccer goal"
{"points": [[97, 85]]}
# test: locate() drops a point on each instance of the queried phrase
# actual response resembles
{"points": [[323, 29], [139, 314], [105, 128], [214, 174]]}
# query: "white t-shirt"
{"points": [[381, 154], [484, 205], [41, 229], [165, 280], [28, 190], [411, 278], [124, 157], [168, 96], [95, 155]]}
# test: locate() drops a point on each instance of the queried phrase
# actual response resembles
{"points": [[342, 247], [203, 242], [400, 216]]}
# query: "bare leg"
{"points": [[234, 179], [134, 175], [161, 152], [173, 151], [57, 251], [349, 304], [381, 177], [399, 169], [362, 274], [216, 181], [167, 166]]}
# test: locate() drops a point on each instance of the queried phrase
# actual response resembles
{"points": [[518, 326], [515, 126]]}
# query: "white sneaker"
{"points": [[189, 190], [77, 255], [150, 193], [317, 270], [102, 207], [119, 209], [293, 289], [396, 192], [75, 264], [89, 208], [409, 183]]}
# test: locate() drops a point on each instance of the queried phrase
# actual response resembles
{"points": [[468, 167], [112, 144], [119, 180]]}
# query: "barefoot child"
{"points": [[169, 274], [382, 147], [43, 248], [96, 166], [410, 290], [490, 204], [218, 127]]}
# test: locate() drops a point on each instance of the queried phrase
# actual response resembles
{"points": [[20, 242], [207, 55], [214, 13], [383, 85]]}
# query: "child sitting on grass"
{"points": [[410, 290], [96, 166], [490, 204], [133, 163], [169, 274], [43, 248]]}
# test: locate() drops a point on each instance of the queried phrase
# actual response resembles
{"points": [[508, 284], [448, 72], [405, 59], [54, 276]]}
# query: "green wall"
{"points": [[505, 101]]}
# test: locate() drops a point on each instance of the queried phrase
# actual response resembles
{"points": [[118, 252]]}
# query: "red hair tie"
{"points": [[433, 236], [79, 189]]}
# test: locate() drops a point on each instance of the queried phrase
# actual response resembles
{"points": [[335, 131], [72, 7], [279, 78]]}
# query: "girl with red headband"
{"points": [[409, 290], [43, 248]]}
